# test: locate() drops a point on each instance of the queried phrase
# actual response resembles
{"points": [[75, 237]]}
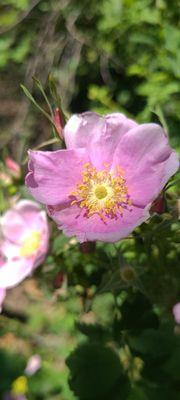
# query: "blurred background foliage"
{"points": [[108, 313], [105, 55]]}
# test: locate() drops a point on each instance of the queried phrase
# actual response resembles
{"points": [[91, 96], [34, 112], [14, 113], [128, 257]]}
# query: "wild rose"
{"points": [[102, 186], [33, 365], [23, 243]]}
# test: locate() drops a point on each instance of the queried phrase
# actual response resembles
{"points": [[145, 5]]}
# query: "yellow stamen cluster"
{"points": [[102, 192], [20, 386], [31, 244]]}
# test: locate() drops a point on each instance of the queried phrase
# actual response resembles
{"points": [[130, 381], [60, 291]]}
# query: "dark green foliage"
{"points": [[95, 372], [95, 332], [137, 314], [11, 367]]}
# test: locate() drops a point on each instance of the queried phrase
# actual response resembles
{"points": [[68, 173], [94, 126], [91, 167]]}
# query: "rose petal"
{"points": [[9, 249], [81, 128], [54, 175], [99, 134], [24, 217], [148, 162], [13, 225], [72, 222], [14, 271]]}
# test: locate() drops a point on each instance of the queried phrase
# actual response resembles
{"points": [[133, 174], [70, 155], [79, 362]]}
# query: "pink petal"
{"points": [[54, 175], [13, 225], [9, 249], [36, 220], [72, 222], [176, 312], [33, 365], [17, 222], [13, 252], [14, 271], [2, 296], [80, 128], [2, 258], [148, 162], [99, 134]]}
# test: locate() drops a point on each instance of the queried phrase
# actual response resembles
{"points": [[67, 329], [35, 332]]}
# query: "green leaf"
{"points": [[31, 98], [40, 87], [154, 343], [95, 332], [95, 371], [60, 244]]}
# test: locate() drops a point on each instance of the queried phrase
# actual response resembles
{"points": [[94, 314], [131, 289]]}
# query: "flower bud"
{"points": [[58, 122], [13, 167], [158, 206], [58, 280]]}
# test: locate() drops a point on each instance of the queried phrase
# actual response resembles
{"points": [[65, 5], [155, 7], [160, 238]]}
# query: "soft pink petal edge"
{"points": [[24, 216], [93, 228], [99, 134], [54, 175], [148, 161], [81, 128], [14, 271]]}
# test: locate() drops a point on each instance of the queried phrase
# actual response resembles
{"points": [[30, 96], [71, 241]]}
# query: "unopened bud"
{"points": [[13, 167], [158, 206], [58, 280], [58, 122]]}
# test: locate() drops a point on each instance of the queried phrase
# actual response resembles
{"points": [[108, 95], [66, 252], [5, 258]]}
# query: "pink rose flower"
{"points": [[23, 243], [33, 365], [176, 312], [101, 187]]}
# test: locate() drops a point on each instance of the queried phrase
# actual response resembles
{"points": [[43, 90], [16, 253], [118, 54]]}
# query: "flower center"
{"points": [[31, 244], [102, 192]]}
